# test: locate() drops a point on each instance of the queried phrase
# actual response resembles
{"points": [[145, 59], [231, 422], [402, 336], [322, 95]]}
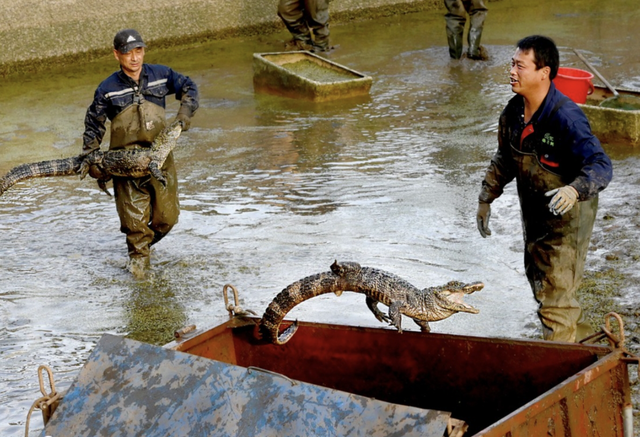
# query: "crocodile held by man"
{"points": [[402, 298], [133, 163]]}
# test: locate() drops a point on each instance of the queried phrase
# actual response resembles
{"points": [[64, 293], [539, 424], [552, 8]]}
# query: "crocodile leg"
{"points": [[424, 326], [155, 171], [395, 315], [102, 183], [372, 304]]}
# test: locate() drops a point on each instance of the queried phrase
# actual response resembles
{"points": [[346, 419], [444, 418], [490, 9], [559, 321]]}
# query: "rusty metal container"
{"points": [[226, 381], [498, 387], [304, 75]]}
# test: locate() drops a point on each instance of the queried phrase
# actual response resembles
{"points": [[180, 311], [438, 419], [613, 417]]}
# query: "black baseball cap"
{"points": [[127, 39]]}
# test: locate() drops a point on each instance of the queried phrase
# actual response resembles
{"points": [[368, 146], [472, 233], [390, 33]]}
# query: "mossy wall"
{"points": [[35, 32]]}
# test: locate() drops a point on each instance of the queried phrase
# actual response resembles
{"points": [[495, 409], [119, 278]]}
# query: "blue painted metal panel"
{"points": [[128, 388]]}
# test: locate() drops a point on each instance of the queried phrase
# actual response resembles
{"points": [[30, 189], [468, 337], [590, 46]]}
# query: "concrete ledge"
{"points": [[39, 33]]}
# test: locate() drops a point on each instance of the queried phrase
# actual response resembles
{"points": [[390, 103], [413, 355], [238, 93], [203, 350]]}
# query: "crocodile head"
{"points": [[450, 297], [170, 133]]}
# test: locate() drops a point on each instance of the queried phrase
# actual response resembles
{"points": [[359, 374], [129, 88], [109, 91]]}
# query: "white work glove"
{"points": [[563, 199]]}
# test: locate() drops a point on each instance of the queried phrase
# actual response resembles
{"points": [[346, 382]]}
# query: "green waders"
{"points": [[456, 18], [147, 210], [555, 250], [301, 17]]}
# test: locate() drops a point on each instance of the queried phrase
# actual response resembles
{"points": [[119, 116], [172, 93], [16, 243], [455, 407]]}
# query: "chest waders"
{"points": [[456, 18], [302, 17], [555, 249], [147, 210]]}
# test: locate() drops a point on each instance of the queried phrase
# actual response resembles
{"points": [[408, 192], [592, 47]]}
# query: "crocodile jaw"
{"points": [[456, 302], [453, 300]]}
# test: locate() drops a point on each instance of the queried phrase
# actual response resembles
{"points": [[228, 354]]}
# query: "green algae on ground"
{"points": [[154, 313], [154, 324], [597, 295]]}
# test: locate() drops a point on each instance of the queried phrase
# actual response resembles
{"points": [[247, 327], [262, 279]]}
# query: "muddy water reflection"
{"points": [[275, 189]]}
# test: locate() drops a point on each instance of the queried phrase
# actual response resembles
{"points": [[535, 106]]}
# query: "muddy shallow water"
{"points": [[274, 189]]}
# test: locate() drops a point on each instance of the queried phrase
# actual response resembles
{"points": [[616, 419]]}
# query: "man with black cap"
{"points": [[133, 99]]}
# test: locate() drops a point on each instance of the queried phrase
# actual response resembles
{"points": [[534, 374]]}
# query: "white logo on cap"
{"points": [[131, 38]]}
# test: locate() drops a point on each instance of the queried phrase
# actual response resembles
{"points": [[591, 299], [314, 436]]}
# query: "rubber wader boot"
{"points": [[318, 22], [455, 32], [138, 266], [480, 54], [476, 51], [298, 44], [476, 25], [321, 44]]}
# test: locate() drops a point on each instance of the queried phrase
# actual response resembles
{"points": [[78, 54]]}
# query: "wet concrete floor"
{"points": [[275, 189]]}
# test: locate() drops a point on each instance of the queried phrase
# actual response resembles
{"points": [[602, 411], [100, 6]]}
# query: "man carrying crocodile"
{"points": [[545, 143], [133, 99]]}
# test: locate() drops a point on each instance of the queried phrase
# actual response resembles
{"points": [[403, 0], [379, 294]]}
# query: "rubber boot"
{"points": [[138, 266], [478, 53], [455, 19], [299, 42], [321, 43], [318, 22], [292, 14], [477, 16], [454, 39]]}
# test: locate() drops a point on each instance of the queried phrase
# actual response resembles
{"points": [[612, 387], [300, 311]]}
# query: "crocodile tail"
{"points": [[297, 292], [56, 167]]}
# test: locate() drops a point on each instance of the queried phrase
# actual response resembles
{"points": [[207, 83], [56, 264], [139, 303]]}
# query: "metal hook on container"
{"points": [[48, 403], [234, 309], [617, 342]]}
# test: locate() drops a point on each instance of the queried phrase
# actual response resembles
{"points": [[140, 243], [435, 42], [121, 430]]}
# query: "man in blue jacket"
{"points": [[545, 143], [133, 99]]}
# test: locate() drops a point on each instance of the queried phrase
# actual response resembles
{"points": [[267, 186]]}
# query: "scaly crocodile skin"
{"points": [[127, 163], [423, 306]]}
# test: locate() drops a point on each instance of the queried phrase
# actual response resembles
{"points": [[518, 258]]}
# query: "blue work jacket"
{"points": [[119, 91], [559, 137]]}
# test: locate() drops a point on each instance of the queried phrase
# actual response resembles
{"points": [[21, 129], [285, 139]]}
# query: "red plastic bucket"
{"points": [[574, 83]]}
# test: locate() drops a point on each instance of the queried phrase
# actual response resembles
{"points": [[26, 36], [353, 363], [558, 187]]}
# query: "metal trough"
{"points": [[304, 75], [612, 125]]}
